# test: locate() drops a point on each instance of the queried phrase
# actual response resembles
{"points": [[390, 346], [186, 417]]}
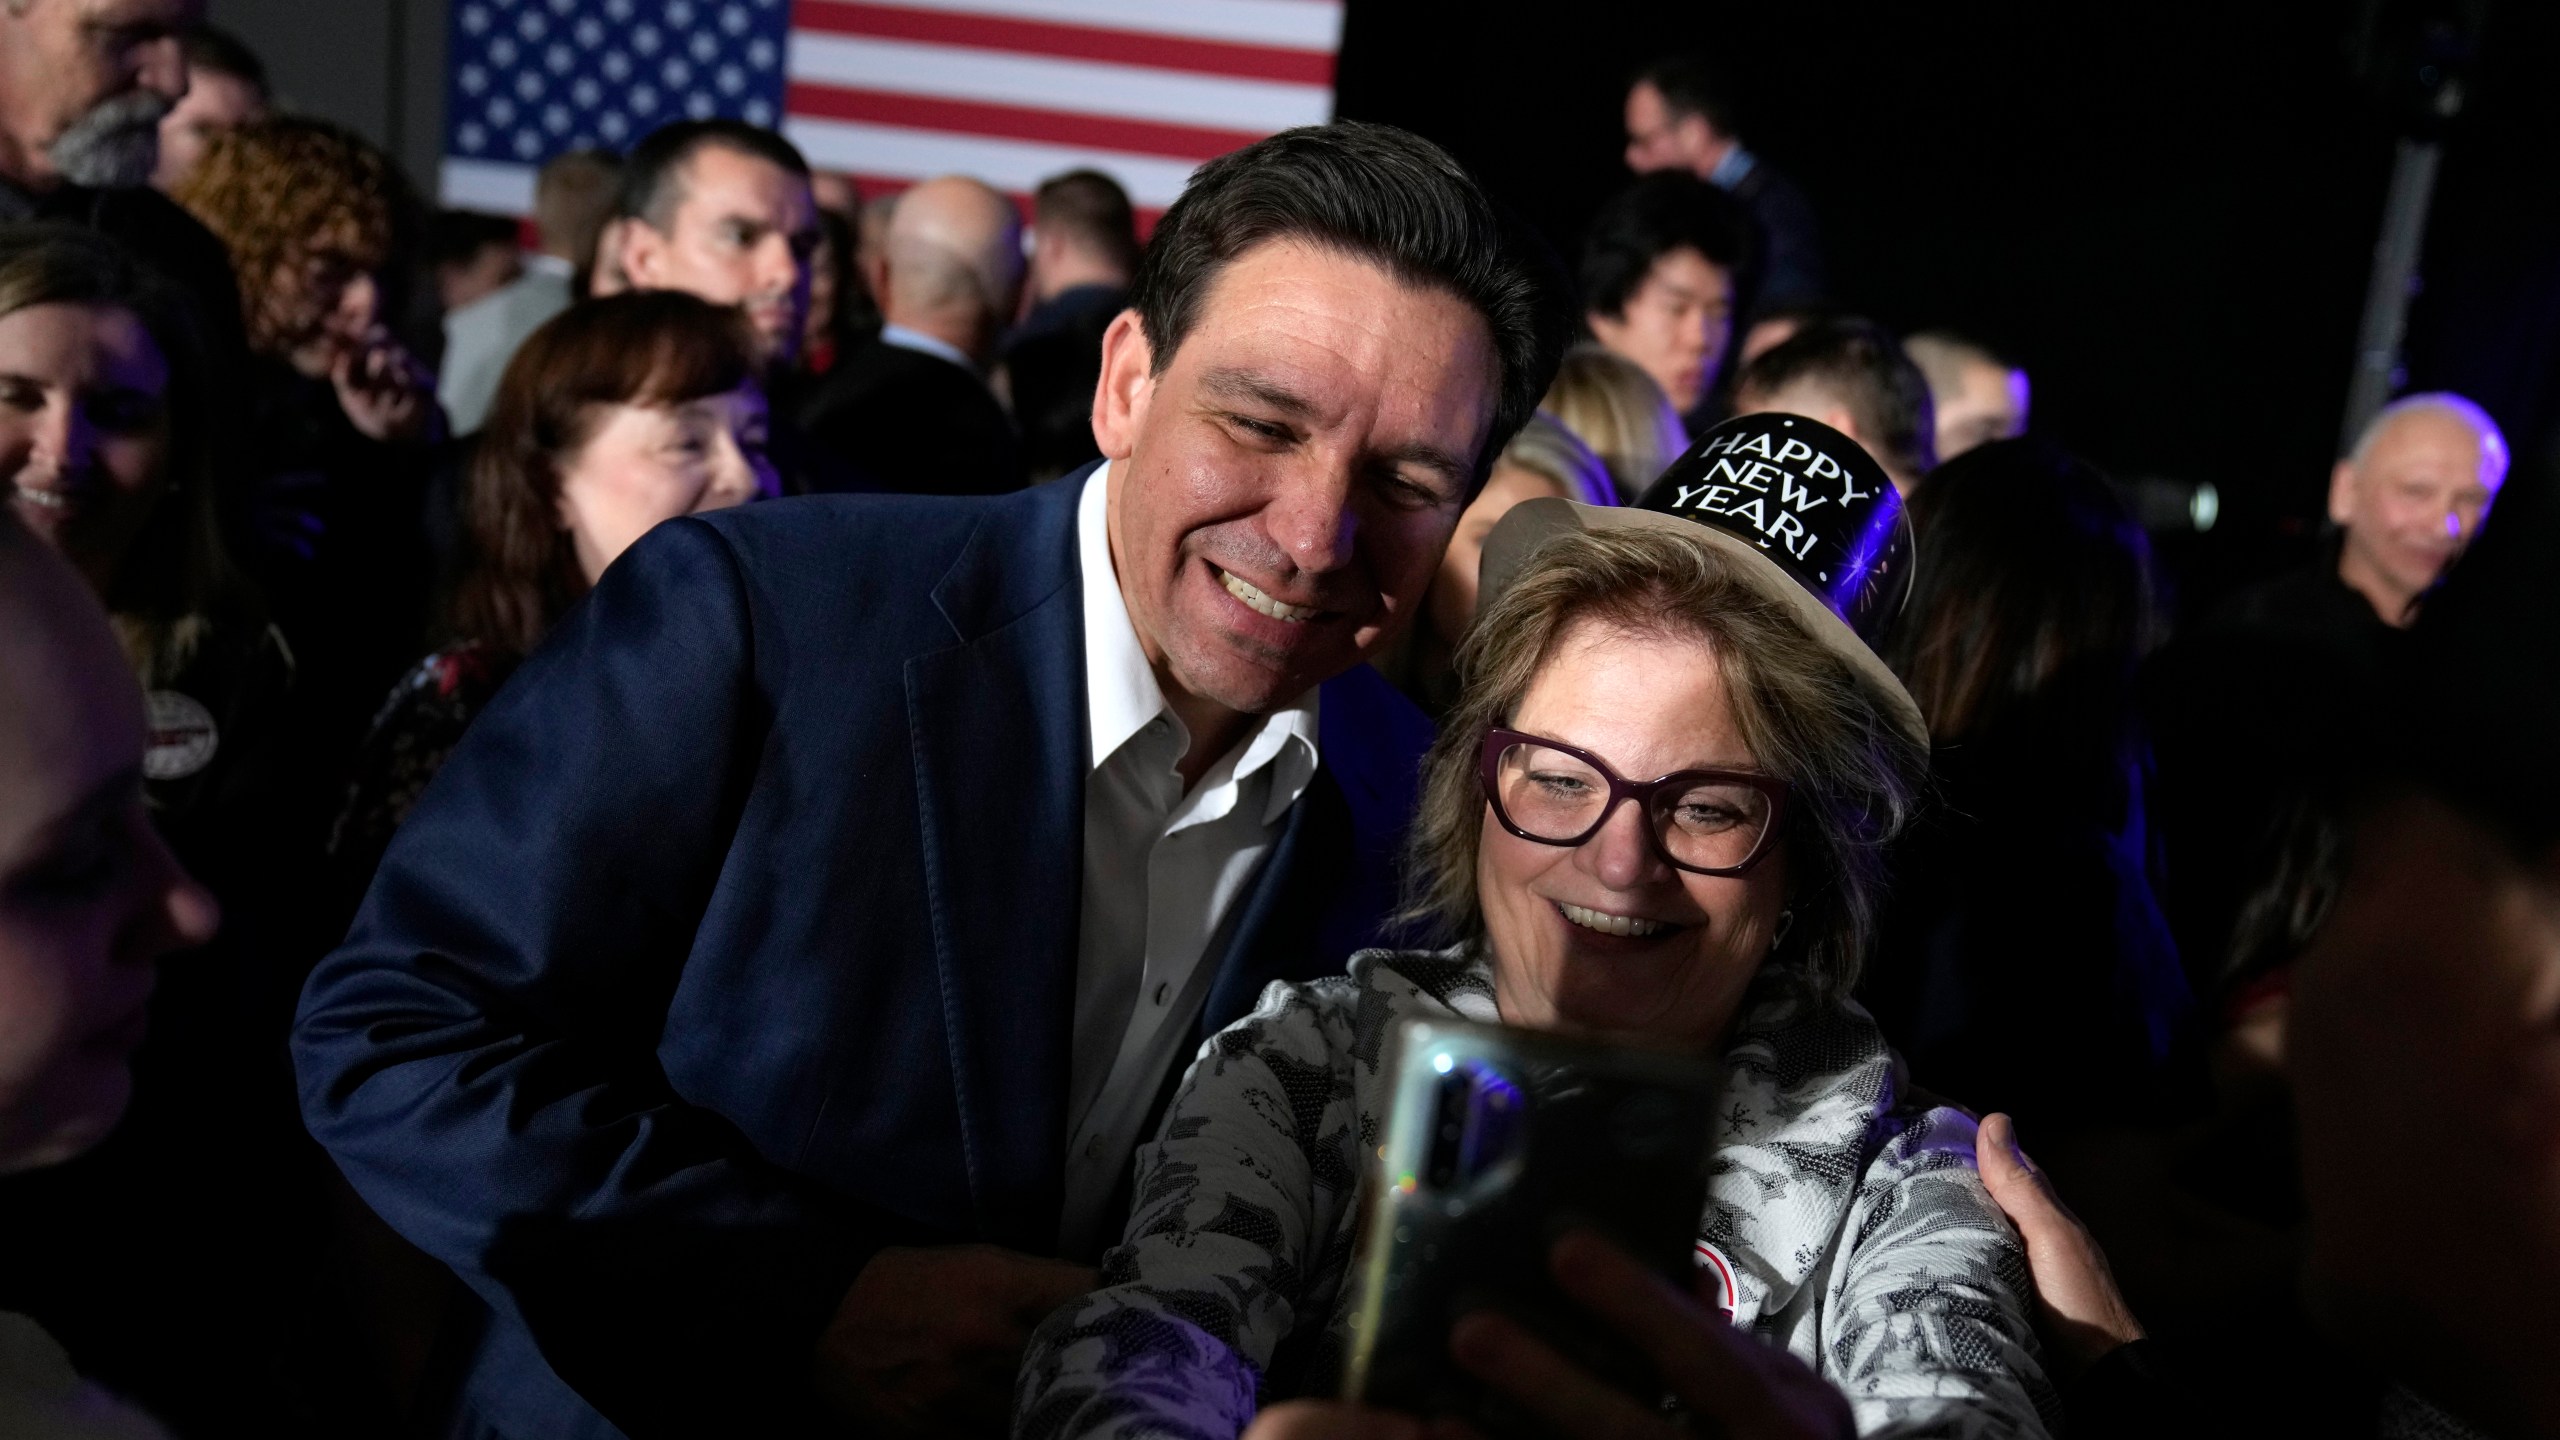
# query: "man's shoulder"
{"points": [[1371, 739], [875, 366], [865, 559], [894, 529]]}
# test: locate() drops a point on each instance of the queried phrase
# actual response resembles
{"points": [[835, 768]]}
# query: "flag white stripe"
{"points": [[1286, 24], [486, 185], [1084, 87], [1016, 165]]}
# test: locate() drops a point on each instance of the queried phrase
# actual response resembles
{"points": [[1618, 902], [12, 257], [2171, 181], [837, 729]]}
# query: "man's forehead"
{"points": [[1287, 305], [2425, 439], [174, 14], [1684, 271], [1327, 335], [728, 177]]}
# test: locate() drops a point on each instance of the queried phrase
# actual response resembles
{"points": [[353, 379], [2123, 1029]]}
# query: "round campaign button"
{"points": [[1711, 1262], [182, 739]]}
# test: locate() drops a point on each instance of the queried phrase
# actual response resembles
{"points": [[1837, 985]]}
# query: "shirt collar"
{"points": [[542, 262], [1733, 169], [1121, 694], [917, 340], [1120, 689]]}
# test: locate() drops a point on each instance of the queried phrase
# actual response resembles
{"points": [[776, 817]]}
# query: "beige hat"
{"points": [[1803, 512]]}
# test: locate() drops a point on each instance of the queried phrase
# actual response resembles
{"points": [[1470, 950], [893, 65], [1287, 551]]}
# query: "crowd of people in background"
{"points": [[479, 958]]}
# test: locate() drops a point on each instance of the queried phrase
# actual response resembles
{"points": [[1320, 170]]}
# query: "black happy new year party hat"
{"points": [[1810, 516]]}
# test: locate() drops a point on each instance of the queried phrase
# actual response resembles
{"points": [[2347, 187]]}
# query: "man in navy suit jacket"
{"points": [[756, 998]]}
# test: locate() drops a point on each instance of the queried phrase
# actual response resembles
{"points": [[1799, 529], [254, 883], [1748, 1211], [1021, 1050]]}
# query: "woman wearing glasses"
{"points": [[1656, 815]]}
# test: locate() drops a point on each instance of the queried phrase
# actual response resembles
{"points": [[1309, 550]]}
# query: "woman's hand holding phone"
{"points": [[1749, 1389]]}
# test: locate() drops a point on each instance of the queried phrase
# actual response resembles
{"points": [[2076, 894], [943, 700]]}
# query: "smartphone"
{"points": [[1498, 1141]]}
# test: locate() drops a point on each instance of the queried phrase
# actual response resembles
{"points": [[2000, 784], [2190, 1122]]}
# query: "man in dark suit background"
{"points": [[80, 108], [794, 954], [1680, 117], [1084, 248], [910, 408]]}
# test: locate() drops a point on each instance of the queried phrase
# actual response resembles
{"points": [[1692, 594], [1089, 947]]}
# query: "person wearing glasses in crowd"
{"points": [[1656, 816]]}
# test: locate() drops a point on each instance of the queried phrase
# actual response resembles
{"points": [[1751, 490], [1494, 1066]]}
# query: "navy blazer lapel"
{"points": [[998, 726]]}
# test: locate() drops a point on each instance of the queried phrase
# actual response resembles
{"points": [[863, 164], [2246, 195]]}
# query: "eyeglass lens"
{"points": [[1558, 797]]}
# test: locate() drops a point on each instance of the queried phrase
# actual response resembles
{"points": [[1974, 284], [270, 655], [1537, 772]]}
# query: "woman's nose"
{"points": [[358, 301], [1621, 856], [65, 436]]}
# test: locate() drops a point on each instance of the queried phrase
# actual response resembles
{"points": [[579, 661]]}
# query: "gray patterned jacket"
{"points": [[1855, 1229]]}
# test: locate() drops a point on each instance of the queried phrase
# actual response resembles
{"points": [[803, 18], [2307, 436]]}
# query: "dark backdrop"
{"points": [[2166, 211]]}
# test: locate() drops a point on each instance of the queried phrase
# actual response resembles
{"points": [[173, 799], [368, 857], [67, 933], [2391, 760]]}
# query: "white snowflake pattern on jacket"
{"points": [[1859, 1235]]}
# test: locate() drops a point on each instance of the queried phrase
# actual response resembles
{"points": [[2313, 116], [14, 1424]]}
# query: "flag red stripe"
{"points": [[1066, 42], [1014, 122]]}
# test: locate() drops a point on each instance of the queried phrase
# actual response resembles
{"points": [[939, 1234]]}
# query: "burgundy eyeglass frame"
{"points": [[1497, 741]]}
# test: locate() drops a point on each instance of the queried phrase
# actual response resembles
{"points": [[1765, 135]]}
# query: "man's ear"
{"points": [[2342, 492], [644, 256], [1127, 387]]}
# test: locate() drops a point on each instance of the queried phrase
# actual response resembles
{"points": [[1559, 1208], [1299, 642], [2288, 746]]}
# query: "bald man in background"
{"points": [[911, 409], [2277, 692]]}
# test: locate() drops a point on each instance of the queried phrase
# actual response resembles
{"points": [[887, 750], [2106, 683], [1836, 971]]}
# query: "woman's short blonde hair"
{"points": [[1608, 401], [1545, 448], [1854, 776]]}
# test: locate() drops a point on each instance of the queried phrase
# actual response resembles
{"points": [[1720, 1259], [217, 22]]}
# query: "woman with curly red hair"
{"points": [[332, 454]]}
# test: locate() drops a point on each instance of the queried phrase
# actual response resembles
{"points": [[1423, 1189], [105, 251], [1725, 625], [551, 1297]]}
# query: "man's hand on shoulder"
{"points": [[927, 1340]]}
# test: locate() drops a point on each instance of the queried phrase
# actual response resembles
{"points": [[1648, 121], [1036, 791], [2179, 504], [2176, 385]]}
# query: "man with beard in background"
{"points": [[83, 87]]}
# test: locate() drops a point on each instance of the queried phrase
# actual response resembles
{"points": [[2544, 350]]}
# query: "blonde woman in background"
{"points": [[1612, 406], [1544, 459]]}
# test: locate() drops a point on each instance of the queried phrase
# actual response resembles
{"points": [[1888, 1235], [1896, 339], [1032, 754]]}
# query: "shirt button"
{"points": [[1161, 991], [1093, 1147]]}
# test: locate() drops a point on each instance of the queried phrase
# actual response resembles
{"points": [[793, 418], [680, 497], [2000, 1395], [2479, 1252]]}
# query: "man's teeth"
{"points": [[1264, 604], [50, 499], [1608, 924]]}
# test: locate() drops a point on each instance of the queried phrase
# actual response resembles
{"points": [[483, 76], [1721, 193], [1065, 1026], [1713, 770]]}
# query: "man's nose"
{"points": [[778, 266], [1311, 520]]}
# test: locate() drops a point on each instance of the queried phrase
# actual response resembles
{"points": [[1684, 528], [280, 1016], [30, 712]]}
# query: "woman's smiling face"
{"points": [[1646, 703]]}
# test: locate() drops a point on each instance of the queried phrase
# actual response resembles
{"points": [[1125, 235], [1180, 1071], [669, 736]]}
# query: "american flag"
{"points": [[888, 92]]}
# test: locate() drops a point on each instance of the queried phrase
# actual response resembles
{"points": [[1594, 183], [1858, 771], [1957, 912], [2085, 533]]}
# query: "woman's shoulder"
{"points": [[419, 724], [446, 688], [1349, 1016]]}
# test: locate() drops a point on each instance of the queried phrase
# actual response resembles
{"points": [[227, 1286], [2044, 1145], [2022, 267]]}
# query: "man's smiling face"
{"points": [[1283, 488]]}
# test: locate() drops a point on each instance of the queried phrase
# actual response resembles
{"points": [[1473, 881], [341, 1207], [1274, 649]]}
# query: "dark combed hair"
{"points": [[1863, 365], [1378, 193], [2031, 600], [1691, 85], [1092, 207], [1660, 213], [658, 347], [652, 173], [222, 53]]}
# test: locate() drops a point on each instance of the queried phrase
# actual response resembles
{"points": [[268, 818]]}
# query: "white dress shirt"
{"points": [[1162, 870], [923, 344]]}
